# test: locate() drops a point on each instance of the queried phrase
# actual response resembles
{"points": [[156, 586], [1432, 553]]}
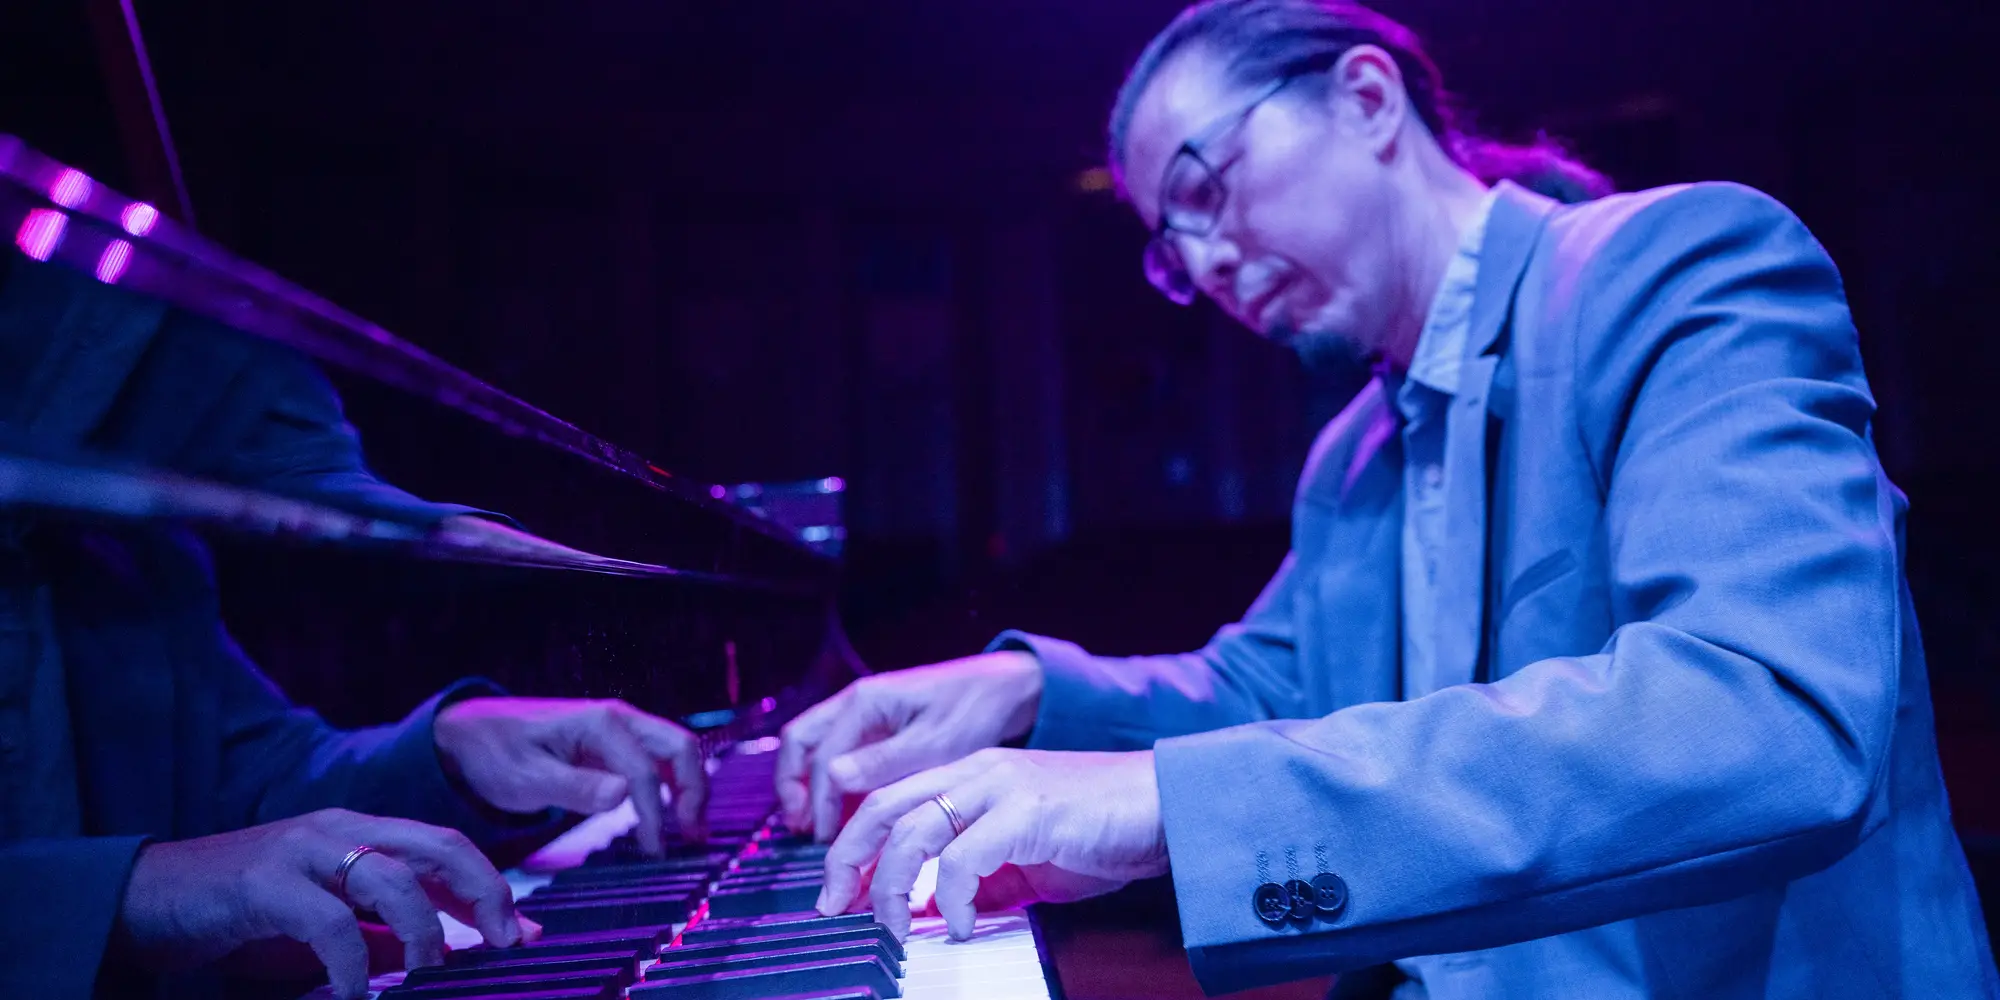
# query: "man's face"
{"points": [[1291, 195]]}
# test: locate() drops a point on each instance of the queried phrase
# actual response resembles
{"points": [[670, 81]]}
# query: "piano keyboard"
{"points": [[732, 920]]}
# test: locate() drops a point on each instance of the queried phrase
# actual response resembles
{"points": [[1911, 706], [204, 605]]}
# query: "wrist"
{"points": [[449, 729], [1025, 671]]}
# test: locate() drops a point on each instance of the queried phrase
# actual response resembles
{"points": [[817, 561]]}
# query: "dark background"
{"points": [[789, 239]]}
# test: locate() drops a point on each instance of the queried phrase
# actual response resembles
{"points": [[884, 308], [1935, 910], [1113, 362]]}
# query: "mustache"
{"points": [[1254, 281]]}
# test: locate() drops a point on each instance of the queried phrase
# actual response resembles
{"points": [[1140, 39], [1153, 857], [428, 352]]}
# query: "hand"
{"points": [[890, 726], [526, 754], [191, 902], [1071, 825]]}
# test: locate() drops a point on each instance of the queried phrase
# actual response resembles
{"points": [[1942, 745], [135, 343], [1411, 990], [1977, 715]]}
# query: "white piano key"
{"points": [[999, 961]]}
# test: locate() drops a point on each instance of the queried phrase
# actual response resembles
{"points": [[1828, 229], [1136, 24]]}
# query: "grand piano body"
{"points": [[707, 612]]}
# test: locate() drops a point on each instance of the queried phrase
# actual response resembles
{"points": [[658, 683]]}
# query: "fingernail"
{"points": [[529, 930], [824, 898], [840, 771]]}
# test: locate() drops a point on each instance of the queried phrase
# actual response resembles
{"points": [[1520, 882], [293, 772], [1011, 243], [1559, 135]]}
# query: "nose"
{"points": [[1212, 263]]}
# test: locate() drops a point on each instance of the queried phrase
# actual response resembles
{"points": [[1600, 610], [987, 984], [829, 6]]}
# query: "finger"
{"points": [[846, 733], [475, 893], [860, 844], [606, 737], [988, 844], [866, 768], [306, 912], [795, 752], [381, 883], [583, 790], [917, 837], [680, 753]]}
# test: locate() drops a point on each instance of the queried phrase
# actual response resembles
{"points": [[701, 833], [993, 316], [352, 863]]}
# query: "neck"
{"points": [[1441, 199]]}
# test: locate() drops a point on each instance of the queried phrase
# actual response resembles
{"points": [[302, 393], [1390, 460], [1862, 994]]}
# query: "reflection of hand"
{"points": [[893, 725], [526, 754], [190, 902], [1070, 825]]}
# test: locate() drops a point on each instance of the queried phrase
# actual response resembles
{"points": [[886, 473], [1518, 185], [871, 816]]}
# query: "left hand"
{"points": [[526, 754], [1066, 826]]}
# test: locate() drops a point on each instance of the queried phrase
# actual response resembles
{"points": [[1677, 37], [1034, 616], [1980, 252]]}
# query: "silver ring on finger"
{"points": [[347, 865], [950, 813]]}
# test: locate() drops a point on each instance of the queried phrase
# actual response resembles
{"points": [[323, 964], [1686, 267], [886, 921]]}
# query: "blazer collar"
{"points": [[1511, 235]]}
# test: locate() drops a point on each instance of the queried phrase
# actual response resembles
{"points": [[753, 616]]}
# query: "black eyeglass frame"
{"points": [[1165, 268]]}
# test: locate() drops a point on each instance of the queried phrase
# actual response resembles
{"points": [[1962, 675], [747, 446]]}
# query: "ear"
{"points": [[1369, 98]]}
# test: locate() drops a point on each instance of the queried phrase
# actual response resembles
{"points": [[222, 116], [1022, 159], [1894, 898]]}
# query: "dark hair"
{"points": [[1263, 41]]}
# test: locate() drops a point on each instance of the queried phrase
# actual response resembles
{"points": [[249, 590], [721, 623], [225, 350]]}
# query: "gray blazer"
{"points": [[1683, 746]]}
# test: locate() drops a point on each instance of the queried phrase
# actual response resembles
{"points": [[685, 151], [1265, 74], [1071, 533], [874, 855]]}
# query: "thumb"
{"points": [[867, 768], [577, 789]]}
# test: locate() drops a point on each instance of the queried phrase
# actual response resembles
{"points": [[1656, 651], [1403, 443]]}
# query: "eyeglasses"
{"points": [[1192, 197]]}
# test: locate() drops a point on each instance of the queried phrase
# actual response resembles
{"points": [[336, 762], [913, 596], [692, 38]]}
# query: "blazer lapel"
{"points": [[1511, 233]]}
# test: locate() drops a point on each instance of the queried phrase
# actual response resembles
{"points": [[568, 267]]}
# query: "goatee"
{"points": [[1328, 355]]}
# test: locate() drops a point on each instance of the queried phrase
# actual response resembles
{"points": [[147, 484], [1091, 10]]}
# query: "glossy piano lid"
{"points": [[77, 488], [59, 214]]}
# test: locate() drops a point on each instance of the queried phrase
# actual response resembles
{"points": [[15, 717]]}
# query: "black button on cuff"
{"points": [[1273, 903], [1329, 894], [1304, 899]]}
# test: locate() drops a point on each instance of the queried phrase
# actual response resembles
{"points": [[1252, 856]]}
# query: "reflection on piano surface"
{"points": [[708, 612], [729, 920]]}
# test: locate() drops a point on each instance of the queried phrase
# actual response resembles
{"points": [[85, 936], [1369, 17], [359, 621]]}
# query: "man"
{"points": [[1607, 683], [165, 813]]}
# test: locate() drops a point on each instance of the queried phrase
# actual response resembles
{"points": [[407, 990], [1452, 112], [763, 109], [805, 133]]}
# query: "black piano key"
{"points": [[856, 994], [710, 865], [780, 867], [783, 839], [786, 856], [755, 901], [765, 942], [769, 880], [760, 984], [604, 915], [604, 890], [641, 942], [606, 986], [626, 851], [621, 965], [585, 993], [714, 929], [818, 953]]}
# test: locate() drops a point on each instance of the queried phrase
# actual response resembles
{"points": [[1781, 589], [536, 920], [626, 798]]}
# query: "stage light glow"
{"points": [[111, 265], [41, 232], [139, 218], [71, 188]]}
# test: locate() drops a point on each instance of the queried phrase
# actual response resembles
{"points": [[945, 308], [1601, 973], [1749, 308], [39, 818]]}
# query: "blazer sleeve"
{"points": [[1732, 732], [300, 445], [280, 760], [61, 902], [1247, 672]]}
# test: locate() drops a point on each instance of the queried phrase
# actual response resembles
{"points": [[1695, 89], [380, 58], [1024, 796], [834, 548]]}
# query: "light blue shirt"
{"points": [[1425, 403]]}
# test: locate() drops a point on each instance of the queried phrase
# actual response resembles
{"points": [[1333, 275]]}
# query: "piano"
{"points": [[717, 615], [731, 919]]}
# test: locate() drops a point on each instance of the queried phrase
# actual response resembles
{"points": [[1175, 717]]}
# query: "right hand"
{"points": [[191, 902], [884, 728]]}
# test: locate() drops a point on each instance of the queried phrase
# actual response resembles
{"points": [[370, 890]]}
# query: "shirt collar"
{"points": [[1441, 346]]}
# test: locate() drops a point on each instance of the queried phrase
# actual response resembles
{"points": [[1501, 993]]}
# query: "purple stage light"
{"points": [[139, 218], [71, 188], [41, 232], [111, 266]]}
